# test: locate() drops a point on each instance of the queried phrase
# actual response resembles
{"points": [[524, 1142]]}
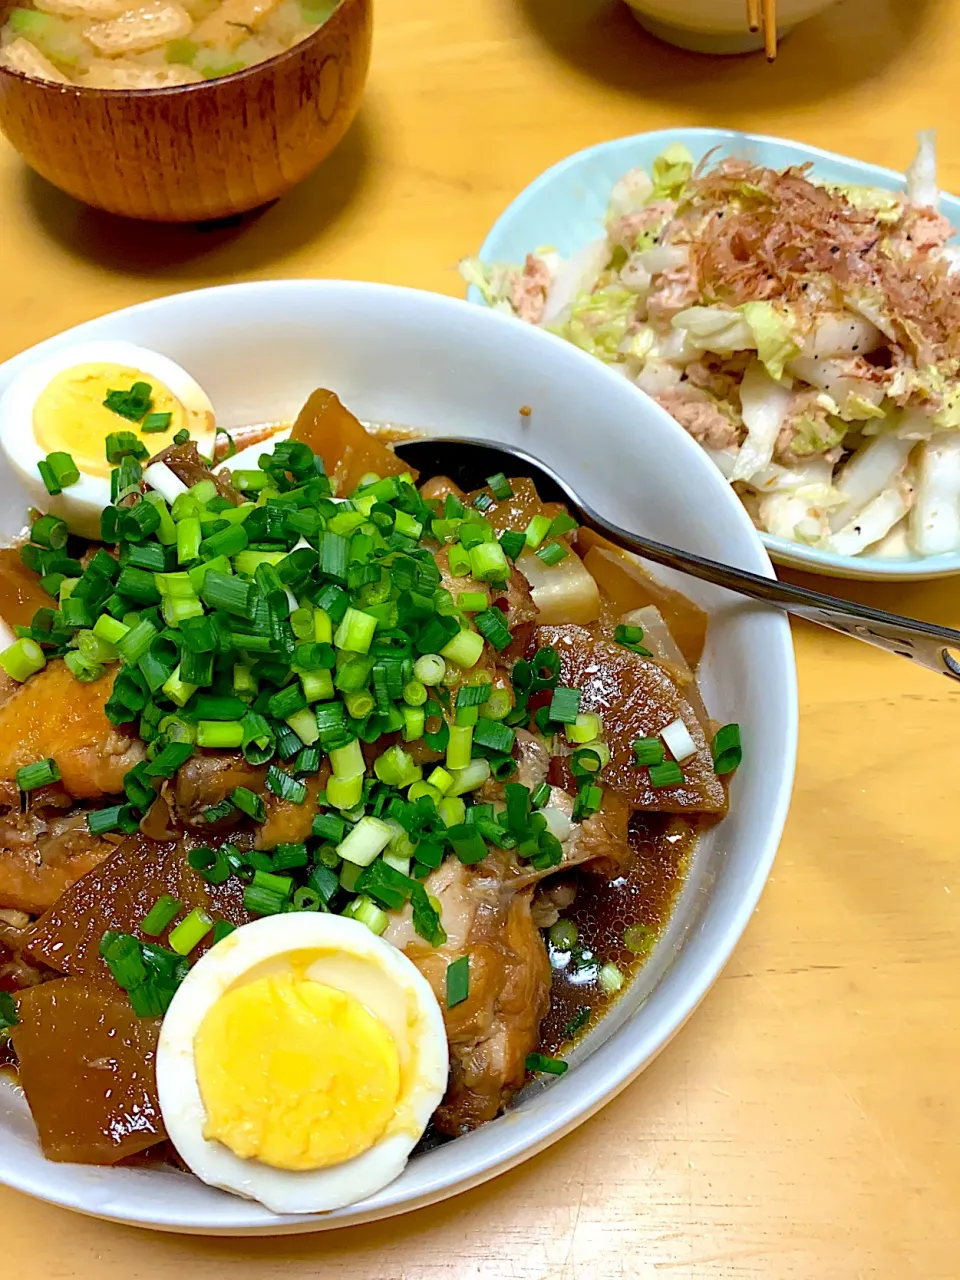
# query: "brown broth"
{"points": [[603, 909]]}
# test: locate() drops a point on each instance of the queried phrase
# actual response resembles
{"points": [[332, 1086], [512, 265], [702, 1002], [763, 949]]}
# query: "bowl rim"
{"points": [[618, 1060], [159, 91], [793, 554]]}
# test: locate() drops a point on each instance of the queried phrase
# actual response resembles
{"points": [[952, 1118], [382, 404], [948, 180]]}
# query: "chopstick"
{"points": [[770, 29], [753, 14]]}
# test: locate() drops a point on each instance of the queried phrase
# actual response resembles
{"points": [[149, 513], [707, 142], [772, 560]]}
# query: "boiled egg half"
{"points": [[60, 404], [300, 1062]]}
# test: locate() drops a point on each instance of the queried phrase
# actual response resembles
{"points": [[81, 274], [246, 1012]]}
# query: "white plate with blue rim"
{"points": [[565, 208]]}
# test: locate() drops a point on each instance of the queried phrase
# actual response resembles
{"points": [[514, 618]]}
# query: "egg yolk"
{"points": [[70, 414], [295, 1074]]}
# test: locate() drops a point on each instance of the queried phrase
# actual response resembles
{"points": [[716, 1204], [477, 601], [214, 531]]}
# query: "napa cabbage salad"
{"points": [[807, 335]]}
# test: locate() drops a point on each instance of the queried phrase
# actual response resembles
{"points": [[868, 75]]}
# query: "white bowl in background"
{"points": [[716, 26], [565, 208], [418, 359]]}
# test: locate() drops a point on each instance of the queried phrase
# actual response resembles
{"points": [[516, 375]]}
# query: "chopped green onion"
{"points": [[367, 839], [173, 755], [630, 638], [563, 935], [666, 774], [500, 487], [223, 928], [366, 911], [345, 793], [541, 1062], [49, 531], [63, 470], [577, 1022], [494, 735], [124, 444], [221, 735], [22, 659], [488, 562], [118, 817], [249, 803], [39, 774], [464, 649], [468, 844], [163, 912], [492, 627], [355, 632], [285, 786], [458, 980], [648, 751], [551, 553], [638, 938], [155, 422], [460, 746], [727, 750], [429, 669], [586, 728], [610, 977], [212, 864], [536, 531], [134, 405], [565, 705]]}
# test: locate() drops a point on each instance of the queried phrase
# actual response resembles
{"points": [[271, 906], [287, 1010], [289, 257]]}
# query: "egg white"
{"points": [[81, 504], [353, 960]]}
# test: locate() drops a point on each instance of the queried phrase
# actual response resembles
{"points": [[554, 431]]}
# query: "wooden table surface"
{"points": [[806, 1124]]}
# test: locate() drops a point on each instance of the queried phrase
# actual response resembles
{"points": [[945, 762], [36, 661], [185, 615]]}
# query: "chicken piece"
{"points": [[206, 780], [289, 823], [185, 462], [492, 1031], [42, 855], [551, 899], [55, 715], [602, 841], [117, 895], [86, 1065], [636, 698]]}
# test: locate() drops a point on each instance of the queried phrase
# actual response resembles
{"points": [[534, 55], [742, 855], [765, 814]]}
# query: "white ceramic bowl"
{"points": [[436, 363], [565, 208], [716, 26]]}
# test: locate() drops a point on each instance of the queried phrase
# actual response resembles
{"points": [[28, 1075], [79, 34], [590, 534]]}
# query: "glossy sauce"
{"points": [[603, 909]]}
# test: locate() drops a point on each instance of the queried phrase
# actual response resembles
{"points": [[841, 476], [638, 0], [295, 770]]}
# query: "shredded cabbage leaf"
{"points": [[672, 170], [599, 322], [494, 281], [773, 335]]}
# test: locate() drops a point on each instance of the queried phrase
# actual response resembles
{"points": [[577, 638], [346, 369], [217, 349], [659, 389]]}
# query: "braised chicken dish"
{"points": [[441, 740]]}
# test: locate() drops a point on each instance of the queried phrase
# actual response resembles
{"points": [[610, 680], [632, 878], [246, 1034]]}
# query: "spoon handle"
{"points": [[921, 642]]}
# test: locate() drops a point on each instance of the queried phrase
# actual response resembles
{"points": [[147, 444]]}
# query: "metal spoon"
{"points": [[469, 462]]}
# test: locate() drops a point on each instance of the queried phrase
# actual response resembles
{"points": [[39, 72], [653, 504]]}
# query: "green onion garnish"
{"points": [[22, 659], [124, 444], [286, 787], [156, 422], [39, 774], [500, 487], [551, 553], [577, 1022], [541, 1062], [249, 803], [8, 1014], [666, 774], [648, 751], [458, 978], [727, 751], [134, 405], [565, 705], [190, 932], [163, 912], [492, 627], [630, 638], [61, 469], [49, 531]]}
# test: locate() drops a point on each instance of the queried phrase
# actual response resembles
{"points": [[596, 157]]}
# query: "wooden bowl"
{"points": [[199, 151]]}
